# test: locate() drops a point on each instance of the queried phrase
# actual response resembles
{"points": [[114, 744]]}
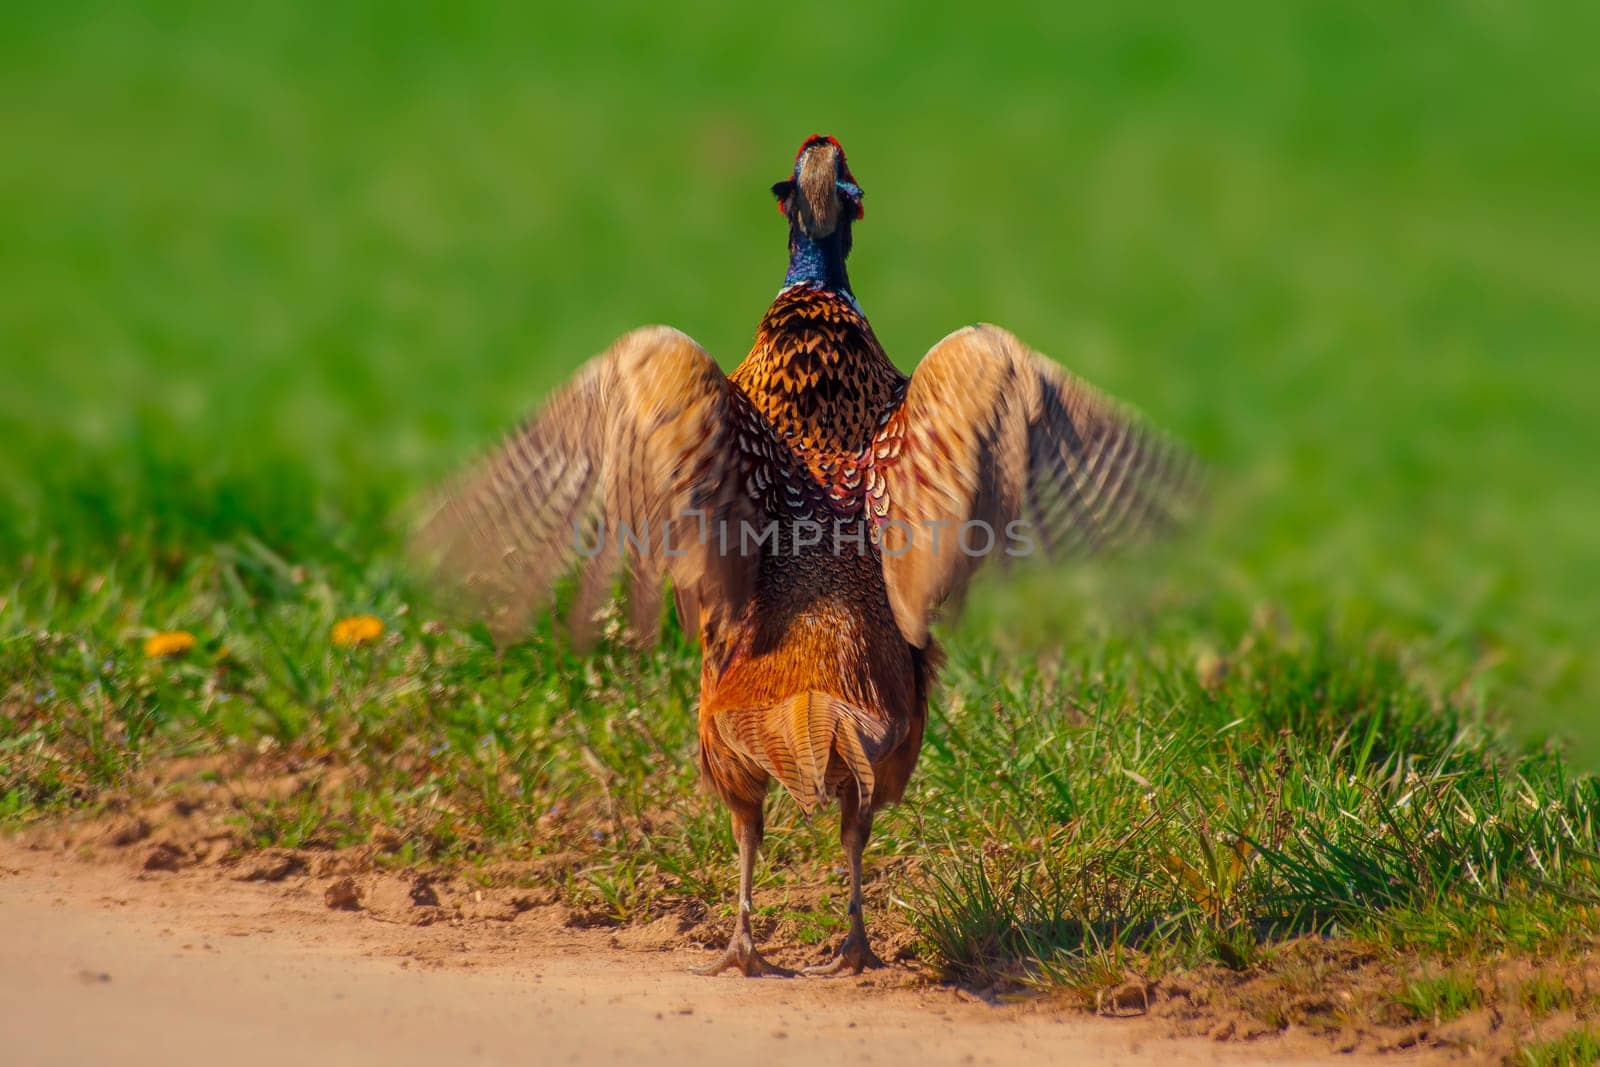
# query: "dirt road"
{"points": [[100, 964]]}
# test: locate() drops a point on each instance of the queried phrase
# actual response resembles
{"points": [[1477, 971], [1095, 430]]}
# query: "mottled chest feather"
{"points": [[821, 381]]}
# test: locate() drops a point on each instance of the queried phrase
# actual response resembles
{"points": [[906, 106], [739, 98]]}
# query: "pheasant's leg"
{"points": [[741, 953], [855, 954]]}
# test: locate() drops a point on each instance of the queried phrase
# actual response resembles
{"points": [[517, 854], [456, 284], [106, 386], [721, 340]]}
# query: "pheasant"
{"points": [[813, 510]]}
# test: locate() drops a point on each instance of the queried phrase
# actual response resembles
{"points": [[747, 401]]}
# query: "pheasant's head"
{"points": [[821, 196]]}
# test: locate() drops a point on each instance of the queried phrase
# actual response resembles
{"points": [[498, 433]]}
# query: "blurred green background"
{"points": [[269, 271]]}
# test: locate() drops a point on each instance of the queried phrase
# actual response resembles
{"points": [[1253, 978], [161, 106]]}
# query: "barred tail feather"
{"points": [[801, 738]]}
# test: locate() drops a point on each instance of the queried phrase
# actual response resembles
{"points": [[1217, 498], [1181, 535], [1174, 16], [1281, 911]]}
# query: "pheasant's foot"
{"points": [[742, 954], [855, 956]]}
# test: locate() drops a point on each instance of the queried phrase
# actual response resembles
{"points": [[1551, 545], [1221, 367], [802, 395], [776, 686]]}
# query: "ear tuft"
{"points": [[783, 191]]}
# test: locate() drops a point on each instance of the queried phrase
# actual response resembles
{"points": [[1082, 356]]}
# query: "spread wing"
{"points": [[992, 434], [634, 464]]}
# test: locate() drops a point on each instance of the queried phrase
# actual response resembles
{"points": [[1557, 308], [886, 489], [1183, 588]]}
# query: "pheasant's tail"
{"points": [[796, 740]]}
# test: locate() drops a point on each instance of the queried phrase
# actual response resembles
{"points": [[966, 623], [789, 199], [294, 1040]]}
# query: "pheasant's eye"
{"points": [[851, 194]]}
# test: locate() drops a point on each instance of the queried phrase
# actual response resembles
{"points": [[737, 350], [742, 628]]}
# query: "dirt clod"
{"points": [[414, 903], [166, 856], [271, 866], [342, 895], [126, 831], [1129, 998], [662, 935]]}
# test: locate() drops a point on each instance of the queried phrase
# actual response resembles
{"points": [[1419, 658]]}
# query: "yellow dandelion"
{"points": [[168, 643], [357, 630]]}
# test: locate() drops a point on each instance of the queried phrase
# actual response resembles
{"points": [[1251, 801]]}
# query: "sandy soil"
{"points": [[105, 963]]}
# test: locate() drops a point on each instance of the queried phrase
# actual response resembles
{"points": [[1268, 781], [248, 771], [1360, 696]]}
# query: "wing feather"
{"points": [[644, 440], [992, 433]]}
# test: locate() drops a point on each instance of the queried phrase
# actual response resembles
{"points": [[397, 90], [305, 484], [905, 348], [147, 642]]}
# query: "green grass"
{"points": [[269, 275], [1577, 1048], [1542, 995], [1440, 997], [1313, 791]]}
